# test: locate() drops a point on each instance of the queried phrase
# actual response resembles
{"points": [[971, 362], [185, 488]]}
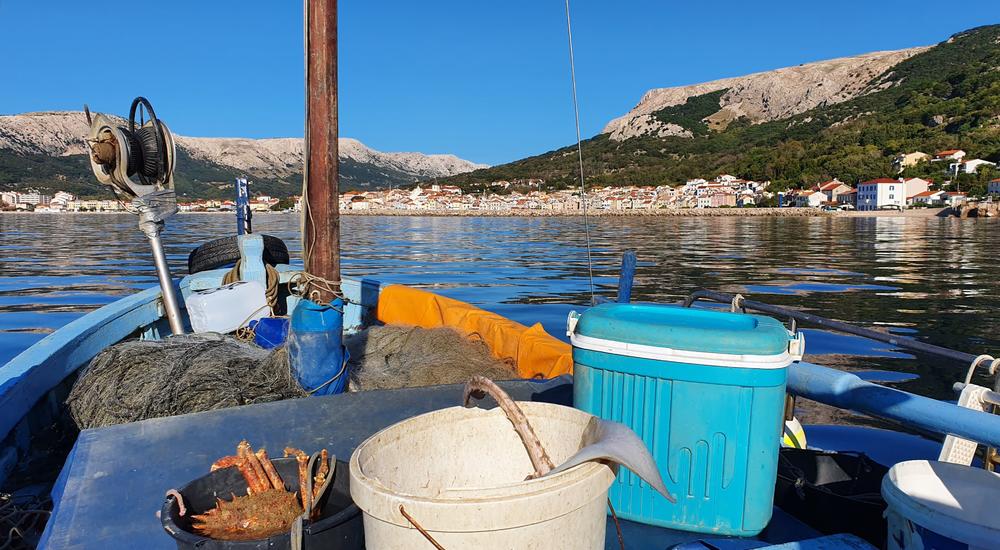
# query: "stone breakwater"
{"points": [[666, 212]]}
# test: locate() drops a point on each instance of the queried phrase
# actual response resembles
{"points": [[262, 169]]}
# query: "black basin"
{"points": [[339, 526]]}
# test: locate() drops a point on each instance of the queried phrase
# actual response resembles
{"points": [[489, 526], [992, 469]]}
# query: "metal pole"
{"points": [[242, 206], [322, 217], [170, 303], [626, 277]]}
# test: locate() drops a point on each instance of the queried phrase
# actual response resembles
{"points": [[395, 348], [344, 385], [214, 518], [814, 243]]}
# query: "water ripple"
{"points": [[933, 279]]}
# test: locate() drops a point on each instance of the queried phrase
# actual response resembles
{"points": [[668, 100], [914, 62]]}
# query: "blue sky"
{"points": [[486, 80]]}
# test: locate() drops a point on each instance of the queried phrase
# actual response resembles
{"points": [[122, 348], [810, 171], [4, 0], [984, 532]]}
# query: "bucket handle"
{"points": [[477, 387], [420, 528]]}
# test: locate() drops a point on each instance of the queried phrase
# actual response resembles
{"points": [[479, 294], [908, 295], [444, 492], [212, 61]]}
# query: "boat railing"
{"points": [[847, 391], [738, 302]]}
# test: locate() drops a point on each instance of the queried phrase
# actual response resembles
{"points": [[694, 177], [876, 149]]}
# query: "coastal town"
{"points": [[723, 191]]}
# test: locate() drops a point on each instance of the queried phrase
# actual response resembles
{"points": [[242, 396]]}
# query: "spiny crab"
{"points": [[268, 508]]}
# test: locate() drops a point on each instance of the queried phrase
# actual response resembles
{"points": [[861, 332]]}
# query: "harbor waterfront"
{"points": [[503, 198], [750, 212], [758, 212], [928, 277]]}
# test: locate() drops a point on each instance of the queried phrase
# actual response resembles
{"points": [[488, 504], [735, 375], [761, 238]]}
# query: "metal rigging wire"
{"points": [[579, 153]]}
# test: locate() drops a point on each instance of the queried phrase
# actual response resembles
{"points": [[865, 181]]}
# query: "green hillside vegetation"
{"points": [[194, 178], [946, 97], [690, 115]]}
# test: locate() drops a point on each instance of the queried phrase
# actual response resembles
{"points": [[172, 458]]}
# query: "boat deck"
{"points": [[113, 483]]}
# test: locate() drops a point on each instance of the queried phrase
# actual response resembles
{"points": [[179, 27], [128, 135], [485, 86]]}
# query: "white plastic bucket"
{"points": [[942, 506], [460, 474]]}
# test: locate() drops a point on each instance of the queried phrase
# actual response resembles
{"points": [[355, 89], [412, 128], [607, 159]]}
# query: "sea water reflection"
{"points": [[934, 279]]}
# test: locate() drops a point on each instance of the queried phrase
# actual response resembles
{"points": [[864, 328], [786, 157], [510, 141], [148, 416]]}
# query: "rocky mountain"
{"points": [[762, 97], [845, 118], [46, 149]]}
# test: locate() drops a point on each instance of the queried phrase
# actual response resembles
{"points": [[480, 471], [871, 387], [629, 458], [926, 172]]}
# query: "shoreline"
{"points": [[668, 213], [790, 212]]}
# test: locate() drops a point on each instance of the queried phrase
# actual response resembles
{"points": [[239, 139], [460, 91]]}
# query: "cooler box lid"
{"points": [[682, 334]]}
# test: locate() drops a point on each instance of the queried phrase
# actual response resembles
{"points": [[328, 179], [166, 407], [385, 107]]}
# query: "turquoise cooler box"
{"points": [[705, 390]]}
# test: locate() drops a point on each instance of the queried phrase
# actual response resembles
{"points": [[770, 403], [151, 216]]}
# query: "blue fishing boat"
{"points": [[709, 390]]}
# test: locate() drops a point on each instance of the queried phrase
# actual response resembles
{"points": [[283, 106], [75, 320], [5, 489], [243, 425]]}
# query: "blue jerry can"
{"points": [[705, 390], [316, 350]]}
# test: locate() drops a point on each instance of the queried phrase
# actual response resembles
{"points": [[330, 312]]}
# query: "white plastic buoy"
{"points": [[460, 473], [941, 505]]}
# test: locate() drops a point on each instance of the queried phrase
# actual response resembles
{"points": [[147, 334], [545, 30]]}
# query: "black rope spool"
{"points": [[134, 152], [151, 156], [146, 144]]}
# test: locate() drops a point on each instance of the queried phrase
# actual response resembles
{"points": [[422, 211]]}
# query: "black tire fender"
{"points": [[226, 251]]}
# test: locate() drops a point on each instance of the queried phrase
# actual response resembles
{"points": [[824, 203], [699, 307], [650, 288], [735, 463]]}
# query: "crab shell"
{"points": [[251, 517]]}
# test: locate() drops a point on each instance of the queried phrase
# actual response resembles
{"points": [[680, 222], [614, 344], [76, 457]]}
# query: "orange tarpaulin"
{"points": [[536, 353]]}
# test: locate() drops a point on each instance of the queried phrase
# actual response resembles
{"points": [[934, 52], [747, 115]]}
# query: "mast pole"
{"points": [[321, 235]]}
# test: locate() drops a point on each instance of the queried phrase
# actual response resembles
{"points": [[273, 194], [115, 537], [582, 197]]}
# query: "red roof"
{"points": [[926, 194], [947, 152], [880, 180], [830, 185], [849, 192]]}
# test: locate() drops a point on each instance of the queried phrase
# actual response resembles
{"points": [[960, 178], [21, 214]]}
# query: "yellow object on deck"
{"points": [[535, 352]]}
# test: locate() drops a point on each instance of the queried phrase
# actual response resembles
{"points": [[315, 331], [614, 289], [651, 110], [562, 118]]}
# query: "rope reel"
{"points": [[134, 159], [137, 162]]}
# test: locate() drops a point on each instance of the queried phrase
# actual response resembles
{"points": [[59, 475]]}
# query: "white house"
{"points": [[927, 198], [879, 193], [832, 189], [63, 198], [993, 187], [30, 197], [968, 166], [812, 199], [949, 154], [954, 198]]}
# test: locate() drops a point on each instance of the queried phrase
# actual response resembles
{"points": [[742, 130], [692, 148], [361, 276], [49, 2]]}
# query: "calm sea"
{"points": [[934, 279]]}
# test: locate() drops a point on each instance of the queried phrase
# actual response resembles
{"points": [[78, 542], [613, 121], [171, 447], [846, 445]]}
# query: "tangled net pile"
{"points": [[140, 379], [22, 520], [392, 356]]}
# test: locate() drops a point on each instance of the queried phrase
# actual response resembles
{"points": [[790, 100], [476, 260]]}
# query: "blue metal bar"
{"points": [[626, 276], [242, 206], [847, 391]]}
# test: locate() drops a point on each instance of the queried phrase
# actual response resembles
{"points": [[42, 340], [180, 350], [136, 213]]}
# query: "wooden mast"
{"points": [[321, 237]]}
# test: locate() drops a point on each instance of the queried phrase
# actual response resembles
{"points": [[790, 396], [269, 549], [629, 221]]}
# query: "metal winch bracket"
{"points": [[137, 162]]}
